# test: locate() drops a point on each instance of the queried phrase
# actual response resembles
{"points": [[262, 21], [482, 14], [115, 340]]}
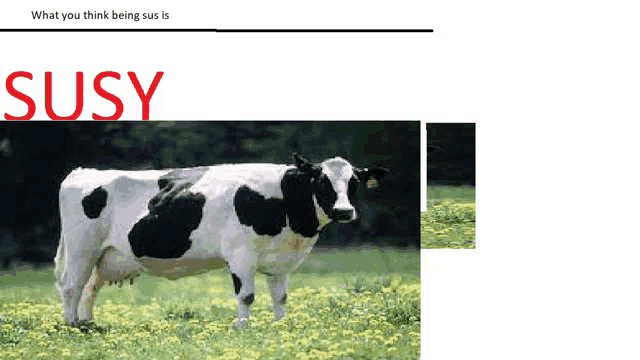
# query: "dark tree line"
{"points": [[36, 156], [451, 153]]}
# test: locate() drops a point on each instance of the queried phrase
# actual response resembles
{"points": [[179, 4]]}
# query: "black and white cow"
{"points": [[250, 218]]}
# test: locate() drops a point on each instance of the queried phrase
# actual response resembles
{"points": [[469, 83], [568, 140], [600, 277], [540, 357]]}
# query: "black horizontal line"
{"points": [[231, 30]]}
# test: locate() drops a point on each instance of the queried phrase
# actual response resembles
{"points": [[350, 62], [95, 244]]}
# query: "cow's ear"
{"points": [[374, 173], [306, 166], [372, 177]]}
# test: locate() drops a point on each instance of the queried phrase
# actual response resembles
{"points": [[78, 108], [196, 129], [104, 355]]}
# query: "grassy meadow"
{"points": [[450, 219], [356, 304]]}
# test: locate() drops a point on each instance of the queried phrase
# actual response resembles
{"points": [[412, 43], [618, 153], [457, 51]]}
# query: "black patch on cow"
{"points": [[237, 284], [248, 300], [93, 203], [296, 187], [190, 175], [266, 216], [284, 299], [173, 214], [326, 195]]}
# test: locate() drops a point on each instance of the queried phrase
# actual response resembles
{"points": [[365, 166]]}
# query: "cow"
{"points": [[249, 218]]}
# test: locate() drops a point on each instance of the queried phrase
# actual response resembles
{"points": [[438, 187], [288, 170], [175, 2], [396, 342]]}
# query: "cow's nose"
{"points": [[343, 214]]}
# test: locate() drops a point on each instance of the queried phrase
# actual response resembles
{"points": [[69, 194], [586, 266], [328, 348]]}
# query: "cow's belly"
{"points": [[282, 254], [176, 268], [117, 265]]}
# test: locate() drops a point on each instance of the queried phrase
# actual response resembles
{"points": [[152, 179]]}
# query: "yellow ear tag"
{"points": [[372, 183]]}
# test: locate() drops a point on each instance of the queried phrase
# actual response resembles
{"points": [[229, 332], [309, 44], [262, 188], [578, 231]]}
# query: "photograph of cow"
{"points": [[174, 199], [251, 218]]}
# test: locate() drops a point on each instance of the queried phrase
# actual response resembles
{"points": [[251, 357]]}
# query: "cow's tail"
{"points": [[60, 266]]}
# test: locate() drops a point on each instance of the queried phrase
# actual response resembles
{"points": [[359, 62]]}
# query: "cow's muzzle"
{"points": [[343, 215]]}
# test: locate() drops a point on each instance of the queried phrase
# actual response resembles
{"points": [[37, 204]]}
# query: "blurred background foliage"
{"points": [[36, 156], [451, 154]]}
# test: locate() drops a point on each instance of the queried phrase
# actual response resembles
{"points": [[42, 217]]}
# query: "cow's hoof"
{"points": [[79, 323], [71, 323], [242, 323], [278, 315], [87, 326]]}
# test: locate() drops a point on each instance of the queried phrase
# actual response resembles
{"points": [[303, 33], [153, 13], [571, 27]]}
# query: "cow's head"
{"points": [[335, 185]]}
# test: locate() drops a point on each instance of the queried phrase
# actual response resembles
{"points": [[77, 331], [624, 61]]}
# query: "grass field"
{"points": [[450, 219], [358, 304]]}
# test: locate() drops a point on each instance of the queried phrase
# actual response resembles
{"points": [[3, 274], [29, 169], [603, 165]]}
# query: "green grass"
{"points": [[450, 219], [358, 304]]}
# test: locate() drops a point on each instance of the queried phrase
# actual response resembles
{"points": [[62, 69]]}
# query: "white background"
{"points": [[554, 89], [229, 76], [552, 85]]}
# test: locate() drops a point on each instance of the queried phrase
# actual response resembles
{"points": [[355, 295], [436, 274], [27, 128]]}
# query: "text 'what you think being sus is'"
{"points": [[96, 15]]}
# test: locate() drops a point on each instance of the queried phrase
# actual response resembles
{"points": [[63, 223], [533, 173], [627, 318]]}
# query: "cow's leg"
{"points": [[78, 273], [89, 296], [243, 283], [278, 286]]}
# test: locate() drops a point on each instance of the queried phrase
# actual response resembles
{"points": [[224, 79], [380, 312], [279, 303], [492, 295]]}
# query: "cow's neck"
{"points": [[322, 217]]}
